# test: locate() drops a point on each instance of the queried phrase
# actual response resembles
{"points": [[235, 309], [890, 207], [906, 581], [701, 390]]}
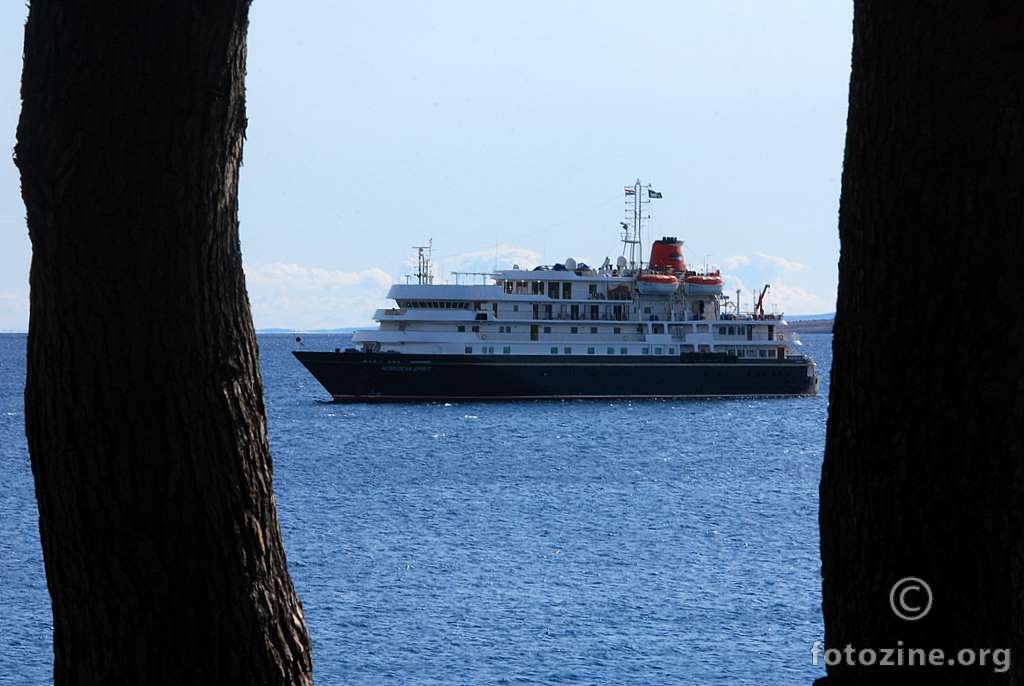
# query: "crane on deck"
{"points": [[759, 307]]}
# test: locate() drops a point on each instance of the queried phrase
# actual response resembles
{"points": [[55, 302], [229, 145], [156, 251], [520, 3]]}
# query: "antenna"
{"points": [[423, 274]]}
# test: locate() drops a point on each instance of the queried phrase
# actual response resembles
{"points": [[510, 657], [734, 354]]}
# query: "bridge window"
{"points": [[623, 351], [645, 351], [554, 350], [567, 350], [611, 351], [590, 351], [507, 349], [469, 348], [593, 329], [462, 327]]}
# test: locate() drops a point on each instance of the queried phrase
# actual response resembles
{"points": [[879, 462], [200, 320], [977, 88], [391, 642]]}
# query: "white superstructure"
{"points": [[618, 311]]}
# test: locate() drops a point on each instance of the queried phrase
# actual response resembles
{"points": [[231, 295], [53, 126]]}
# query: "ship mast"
{"points": [[423, 275], [632, 229]]}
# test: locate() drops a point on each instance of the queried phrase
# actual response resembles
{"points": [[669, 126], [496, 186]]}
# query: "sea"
{"points": [[547, 542]]}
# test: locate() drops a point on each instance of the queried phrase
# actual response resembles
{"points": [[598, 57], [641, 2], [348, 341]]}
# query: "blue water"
{"points": [[491, 543]]}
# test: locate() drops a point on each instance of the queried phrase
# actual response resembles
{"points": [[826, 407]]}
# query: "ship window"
{"points": [[469, 348], [647, 310], [617, 329], [507, 349], [567, 350], [722, 331], [639, 328], [672, 351], [554, 350], [566, 290], [552, 289], [547, 329], [593, 329], [574, 330], [732, 330], [623, 351], [592, 289], [590, 351], [657, 351], [462, 327], [762, 353], [515, 308], [611, 351], [476, 328], [645, 351]]}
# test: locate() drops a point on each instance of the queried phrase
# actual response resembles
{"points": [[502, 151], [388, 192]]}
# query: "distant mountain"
{"points": [[276, 330], [810, 325], [810, 317]]}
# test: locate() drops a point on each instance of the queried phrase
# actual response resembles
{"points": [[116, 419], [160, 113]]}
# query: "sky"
{"points": [[505, 134]]}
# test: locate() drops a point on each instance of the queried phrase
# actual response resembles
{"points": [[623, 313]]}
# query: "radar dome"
{"points": [[621, 262], [570, 264]]}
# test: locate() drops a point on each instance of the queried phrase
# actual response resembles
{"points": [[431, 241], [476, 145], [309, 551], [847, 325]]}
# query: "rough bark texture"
{"points": [[144, 404], [924, 466]]}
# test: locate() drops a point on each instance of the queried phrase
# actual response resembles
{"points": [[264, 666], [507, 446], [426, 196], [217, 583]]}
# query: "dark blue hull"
{"points": [[352, 376]]}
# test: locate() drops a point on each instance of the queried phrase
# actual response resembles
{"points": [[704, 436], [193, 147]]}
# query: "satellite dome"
{"points": [[621, 262], [570, 264]]}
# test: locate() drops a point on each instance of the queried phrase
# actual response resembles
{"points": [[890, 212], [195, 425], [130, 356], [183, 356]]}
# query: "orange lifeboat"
{"points": [[657, 284], [698, 284]]}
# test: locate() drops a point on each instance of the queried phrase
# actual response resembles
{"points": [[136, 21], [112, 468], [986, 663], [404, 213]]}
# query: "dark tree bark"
{"points": [[924, 467], [144, 404]]}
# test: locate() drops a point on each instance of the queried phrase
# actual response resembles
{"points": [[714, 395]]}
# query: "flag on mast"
{"points": [[653, 194], [630, 190]]}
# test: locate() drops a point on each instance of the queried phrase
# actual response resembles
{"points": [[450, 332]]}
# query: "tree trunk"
{"points": [[924, 466], [144, 404]]}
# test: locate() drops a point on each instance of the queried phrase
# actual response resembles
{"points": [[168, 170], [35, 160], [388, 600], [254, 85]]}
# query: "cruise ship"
{"points": [[626, 329]]}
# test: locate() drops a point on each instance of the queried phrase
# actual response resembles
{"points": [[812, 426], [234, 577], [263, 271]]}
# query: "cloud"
{"points": [[783, 263], [295, 296], [504, 256], [735, 261], [795, 299]]}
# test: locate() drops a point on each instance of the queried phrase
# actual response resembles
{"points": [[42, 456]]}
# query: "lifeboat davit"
{"points": [[704, 284], [657, 284]]}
